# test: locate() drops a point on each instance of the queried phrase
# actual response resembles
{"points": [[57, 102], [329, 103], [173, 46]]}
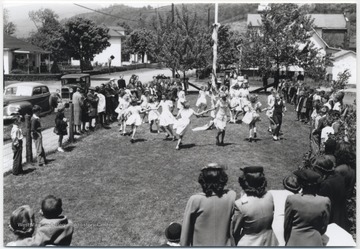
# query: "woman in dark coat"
{"points": [[61, 125], [332, 186], [92, 100], [306, 214]]}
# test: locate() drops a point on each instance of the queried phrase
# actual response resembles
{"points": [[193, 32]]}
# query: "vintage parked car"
{"points": [[21, 97], [70, 82]]}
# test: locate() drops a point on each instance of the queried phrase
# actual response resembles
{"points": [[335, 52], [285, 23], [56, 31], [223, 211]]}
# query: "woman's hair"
{"points": [[254, 184], [22, 221], [213, 181], [344, 155]]}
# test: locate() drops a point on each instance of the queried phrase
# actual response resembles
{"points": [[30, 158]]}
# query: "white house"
{"points": [[116, 33], [15, 50], [343, 59]]}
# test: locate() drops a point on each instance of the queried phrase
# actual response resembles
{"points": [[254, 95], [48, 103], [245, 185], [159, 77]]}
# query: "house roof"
{"points": [[324, 21], [12, 43], [329, 21], [116, 31], [341, 53]]}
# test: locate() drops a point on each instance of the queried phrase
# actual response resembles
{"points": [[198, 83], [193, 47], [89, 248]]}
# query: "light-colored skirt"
{"points": [[153, 115], [166, 118], [201, 101], [134, 119], [181, 126], [220, 122]]}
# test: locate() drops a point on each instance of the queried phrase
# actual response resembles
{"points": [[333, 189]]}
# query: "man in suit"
{"points": [[121, 82]]}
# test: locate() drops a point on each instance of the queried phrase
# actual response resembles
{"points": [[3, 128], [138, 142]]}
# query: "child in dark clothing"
{"points": [[54, 228]]}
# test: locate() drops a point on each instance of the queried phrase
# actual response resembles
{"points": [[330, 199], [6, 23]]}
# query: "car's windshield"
{"points": [[18, 91]]}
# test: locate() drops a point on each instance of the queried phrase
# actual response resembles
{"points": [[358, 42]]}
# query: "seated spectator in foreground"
{"points": [[22, 224], [207, 215], [291, 186], [345, 166], [332, 186], [254, 211], [54, 228], [306, 214], [173, 233]]}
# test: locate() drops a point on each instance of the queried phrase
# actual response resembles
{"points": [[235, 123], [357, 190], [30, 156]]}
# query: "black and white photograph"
{"points": [[212, 124]]}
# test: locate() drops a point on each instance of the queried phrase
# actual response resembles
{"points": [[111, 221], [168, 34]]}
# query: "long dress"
{"points": [[221, 115], [207, 220], [166, 117], [251, 116], [244, 96], [183, 123], [134, 118], [236, 99], [153, 114], [253, 218], [78, 101]]}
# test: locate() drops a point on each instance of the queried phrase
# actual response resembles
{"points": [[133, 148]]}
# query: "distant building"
{"points": [[343, 59], [33, 59], [116, 33], [333, 28]]}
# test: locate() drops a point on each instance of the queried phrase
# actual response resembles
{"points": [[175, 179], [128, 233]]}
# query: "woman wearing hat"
{"points": [[61, 125], [223, 108], [183, 122], [333, 186], [253, 217], [306, 214], [207, 215]]}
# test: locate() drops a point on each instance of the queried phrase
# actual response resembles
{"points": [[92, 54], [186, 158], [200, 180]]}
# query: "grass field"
{"points": [[123, 194]]}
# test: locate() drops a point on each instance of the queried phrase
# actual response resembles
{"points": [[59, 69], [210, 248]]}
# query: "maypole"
{"points": [[216, 26]]}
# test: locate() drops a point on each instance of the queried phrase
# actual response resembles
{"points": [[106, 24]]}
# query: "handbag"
{"points": [[56, 131]]}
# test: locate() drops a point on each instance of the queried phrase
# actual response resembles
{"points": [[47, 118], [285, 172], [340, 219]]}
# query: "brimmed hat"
{"points": [[252, 169], [324, 163], [307, 177], [214, 166], [240, 78], [291, 183], [173, 232]]}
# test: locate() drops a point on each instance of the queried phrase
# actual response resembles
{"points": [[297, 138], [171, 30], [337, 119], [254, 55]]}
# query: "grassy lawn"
{"points": [[123, 194]]}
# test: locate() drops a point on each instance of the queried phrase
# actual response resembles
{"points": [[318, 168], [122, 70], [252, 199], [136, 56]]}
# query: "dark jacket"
{"points": [[60, 124]]}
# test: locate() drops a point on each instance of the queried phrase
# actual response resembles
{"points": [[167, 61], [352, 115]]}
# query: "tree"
{"points": [[228, 41], [49, 35], [84, 40], [140, 41], [182, 44], [283, 40], [9, 27]]}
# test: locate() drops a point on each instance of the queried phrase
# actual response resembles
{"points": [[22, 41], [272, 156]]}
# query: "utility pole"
{"points": [[208, 17], [173, 12], [215, 39]]}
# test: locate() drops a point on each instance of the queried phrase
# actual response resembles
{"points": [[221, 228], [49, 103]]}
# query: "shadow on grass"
{"points": [[69, 148], [49, 160], [140, 140], [187, 146], [28, 171]]}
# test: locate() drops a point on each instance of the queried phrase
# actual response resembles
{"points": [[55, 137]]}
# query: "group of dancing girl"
{"points": [[171, 112]]}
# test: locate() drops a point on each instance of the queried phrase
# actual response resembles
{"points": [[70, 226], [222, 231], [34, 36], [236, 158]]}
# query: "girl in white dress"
{"points": [[181, 97], [154, 114], [201, 102], [235, 103], [223, 108], [124, 103], [133, 117], [144, 100], [182, 124], [252, 116], [167, 119]]}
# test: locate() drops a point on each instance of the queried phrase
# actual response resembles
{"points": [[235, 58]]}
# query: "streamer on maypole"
{"points": [[216, 26]]}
